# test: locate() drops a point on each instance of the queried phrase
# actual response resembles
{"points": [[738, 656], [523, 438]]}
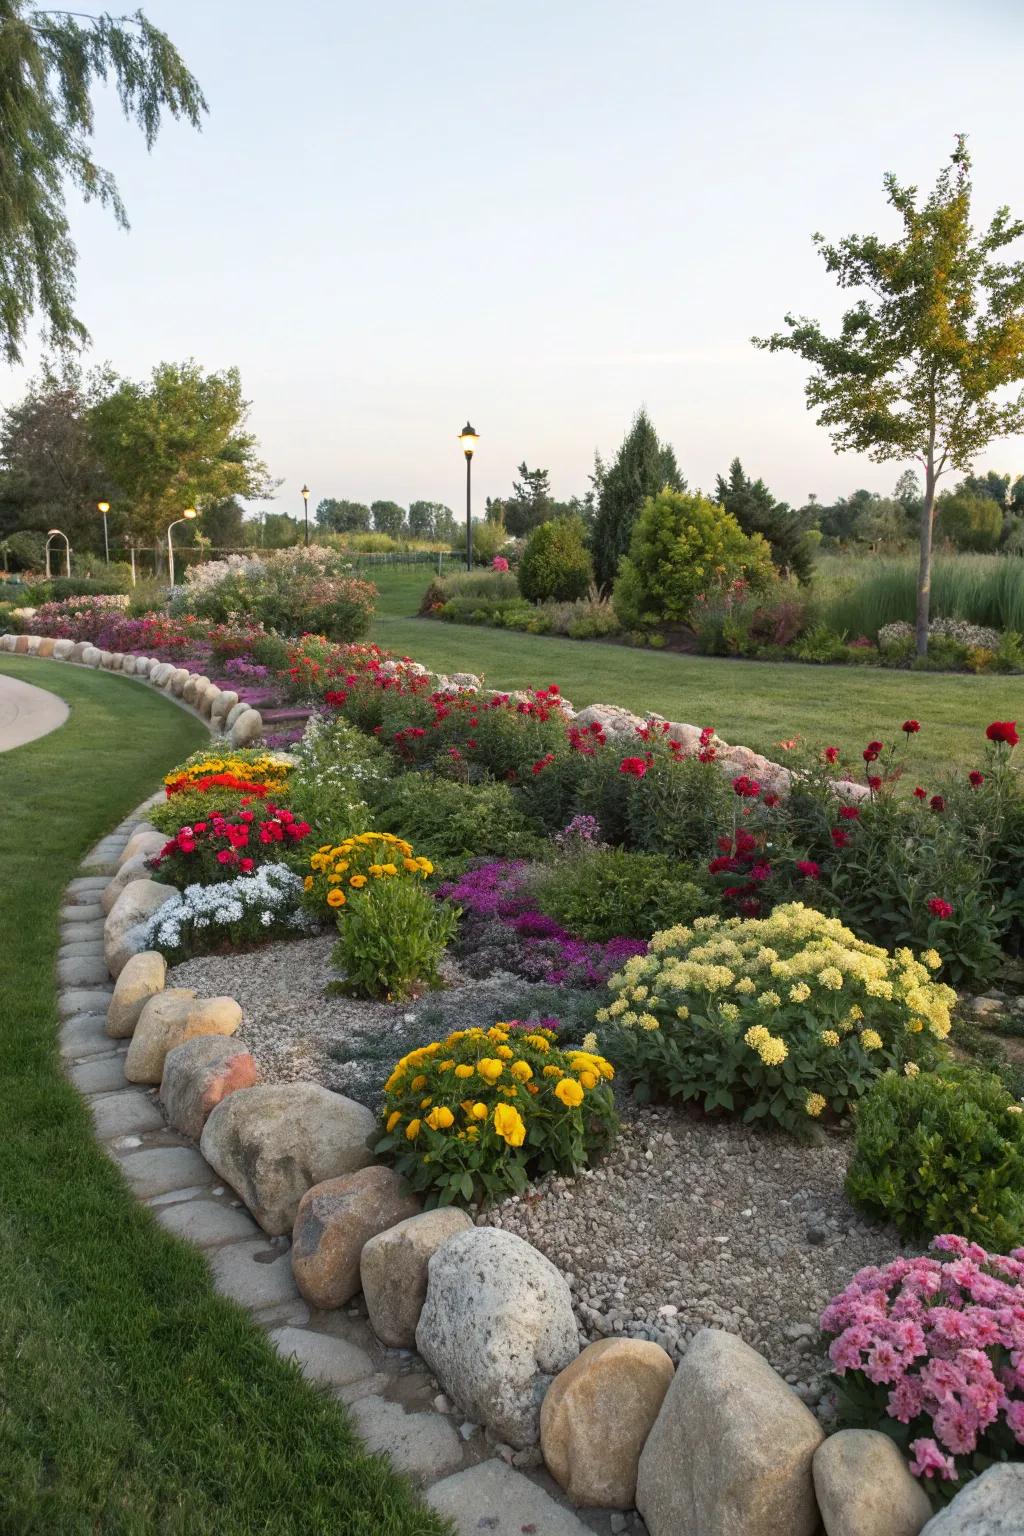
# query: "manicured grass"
{"points": [[753, 704], [133, 1400]]}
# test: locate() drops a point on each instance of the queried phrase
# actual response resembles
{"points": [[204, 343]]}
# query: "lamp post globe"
{"points": [[103, 507], [469, 438]]}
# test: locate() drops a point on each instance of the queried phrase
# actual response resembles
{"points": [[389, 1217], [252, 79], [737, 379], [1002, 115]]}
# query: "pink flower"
{"points": [[905, 1400], [929, 1460], [1015, 1420], [809, 869], [957, 1428]]}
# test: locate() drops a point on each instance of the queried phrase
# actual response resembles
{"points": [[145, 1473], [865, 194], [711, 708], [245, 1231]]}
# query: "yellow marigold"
{"points": [[569, 1092], [814, 1104], [505, 1052], [932, 959], [588, 1079], [508, 1123], [307, 884], [477, 1111], [445, 1066], [538, 1042], [393, 1119], [389, 869], [799, 992], [490, 1069], [773, 1051], [342, 867], [463, 1070], [441, 1118], [552, 1071], [357, 882], [418, 1083], [497, 1032], [336, 898], [521, 1071], [871, 1040], [426, 1103], [829, 1037], [412, 1130]]}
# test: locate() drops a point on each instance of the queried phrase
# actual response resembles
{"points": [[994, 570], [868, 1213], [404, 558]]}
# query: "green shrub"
{"points": [[678, 808], [391, 938], [942, 1152], [777, 1018], [493, 587], [819, 644], [610, 893], [489, 539], [971, 522], [475, 1115], [683, 546], [337, 771], [449, 821], [556, 563]]}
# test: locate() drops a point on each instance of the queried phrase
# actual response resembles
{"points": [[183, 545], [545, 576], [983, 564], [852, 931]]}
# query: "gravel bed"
{"points": [[295, 1030], [694, 1223]]}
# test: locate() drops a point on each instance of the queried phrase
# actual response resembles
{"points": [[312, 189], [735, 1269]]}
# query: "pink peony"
{"points": [[928, 1460]]}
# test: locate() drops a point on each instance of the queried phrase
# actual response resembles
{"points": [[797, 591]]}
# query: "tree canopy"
{"points": [[756, 510], [50, 63], [50, 473], [342, 516], [921, 364], [642, 467]]}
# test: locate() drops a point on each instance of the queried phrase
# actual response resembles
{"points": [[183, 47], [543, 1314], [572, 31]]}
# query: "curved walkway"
{"points": [[27, 713]]}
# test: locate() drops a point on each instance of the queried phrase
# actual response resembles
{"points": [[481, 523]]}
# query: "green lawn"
{"points": [[133, 1400], [750, 703]]}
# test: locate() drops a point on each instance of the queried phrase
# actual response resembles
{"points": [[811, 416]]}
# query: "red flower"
{"points": [[911, 727], [976, 779], [875, 746], [939, 908], [1003, 731], [831, 754], [870, 755], [760, 872], [637, 766], [839, 837], [937, 803], [849, 812], [920, 794], [719, 865], [247, 866], [746, 787], [771, 801], [809, 869], [874, 781]]}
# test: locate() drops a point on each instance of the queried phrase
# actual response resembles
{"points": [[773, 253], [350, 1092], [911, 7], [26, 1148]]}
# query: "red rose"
{"points": [[869, 755], [1003, 731], [920, 794], [976, 779], [911, 727], [939, 908], [937, 803], [849, 812], [831, 754], [808, 869]]}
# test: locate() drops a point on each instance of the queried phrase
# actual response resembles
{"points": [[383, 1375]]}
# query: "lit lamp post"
{"points": [[469, 439], [57, 533], [305, 508], [186, 517], [103, 507]]}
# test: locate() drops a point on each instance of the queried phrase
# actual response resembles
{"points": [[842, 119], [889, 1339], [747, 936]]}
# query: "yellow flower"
{"points": [[814, 1105], [478, 1111], [799, 993], [440, 1119], [389, 869], [773, 1051], [393, 1119], [505, 1052], [412, 1130], [932, 959], [497, 1032], [426, 1103], [569, 1091], [911, 1069], [769, 1000], [588, 1079], [829, 1037], [490, 1069], [745, 986], [729, 1012], [418, 1083], [307, 884], [831, 977], [521, 1071], [682, 1012], [915, 1026], [336, 898], [871, 1040], [358, 881], [552, 1071], [411, 865], [463, 1070], [755, 1036], [508, 1123], [538, 1042]]}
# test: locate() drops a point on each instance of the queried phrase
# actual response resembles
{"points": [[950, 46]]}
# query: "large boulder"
{"points": [[731, 1449], [236, 711], [247, 728], [597, 1415], [864, 1487], [612, 719], [497, 1326], [334, 1222], [125, 927], [176, 681], [143, 977], [198, 1075], [273, 1142], [145, 839], [62, 649], [991, 1505], [136, 868], [222, 706], [166, 1021], [393, 1271]]}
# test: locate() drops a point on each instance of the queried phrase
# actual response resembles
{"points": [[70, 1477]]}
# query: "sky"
{"points": [[539, 216]]}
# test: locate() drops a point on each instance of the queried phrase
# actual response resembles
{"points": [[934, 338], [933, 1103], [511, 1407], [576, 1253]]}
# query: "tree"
{"points": [[342, 516], [556, 562], [531, 502], [971, 521], [426, 518], [49, 64], [642, 467], [176, 441], [223, 524], [279, 530], [50, 474], [884, 523], [388, 517], [919, 365], [756, 510], [991, 484]]}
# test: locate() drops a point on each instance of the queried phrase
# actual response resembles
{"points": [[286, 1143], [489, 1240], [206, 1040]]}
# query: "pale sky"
{"points": [[539, 215]]}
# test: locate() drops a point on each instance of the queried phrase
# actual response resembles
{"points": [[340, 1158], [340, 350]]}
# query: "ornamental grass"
{"points": [[784, 1017], [479, 1113]]}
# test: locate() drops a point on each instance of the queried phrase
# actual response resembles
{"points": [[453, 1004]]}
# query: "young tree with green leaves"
{"points": [[642, 467], [50, 473], [50, 63], [178, 440], [341, 516], [921, 365]]}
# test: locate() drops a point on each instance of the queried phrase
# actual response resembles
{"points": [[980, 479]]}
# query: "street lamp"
{"points": [[469, 439], [305, 506], [186, 517], [57, 533], [104, 507]]}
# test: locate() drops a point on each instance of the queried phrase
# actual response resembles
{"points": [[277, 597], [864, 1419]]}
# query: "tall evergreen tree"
{"points": [[756, 510], [642, 467], [531, 502]]}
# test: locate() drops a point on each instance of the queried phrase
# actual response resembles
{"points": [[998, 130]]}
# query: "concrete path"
{"points": [[27, 713]]}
